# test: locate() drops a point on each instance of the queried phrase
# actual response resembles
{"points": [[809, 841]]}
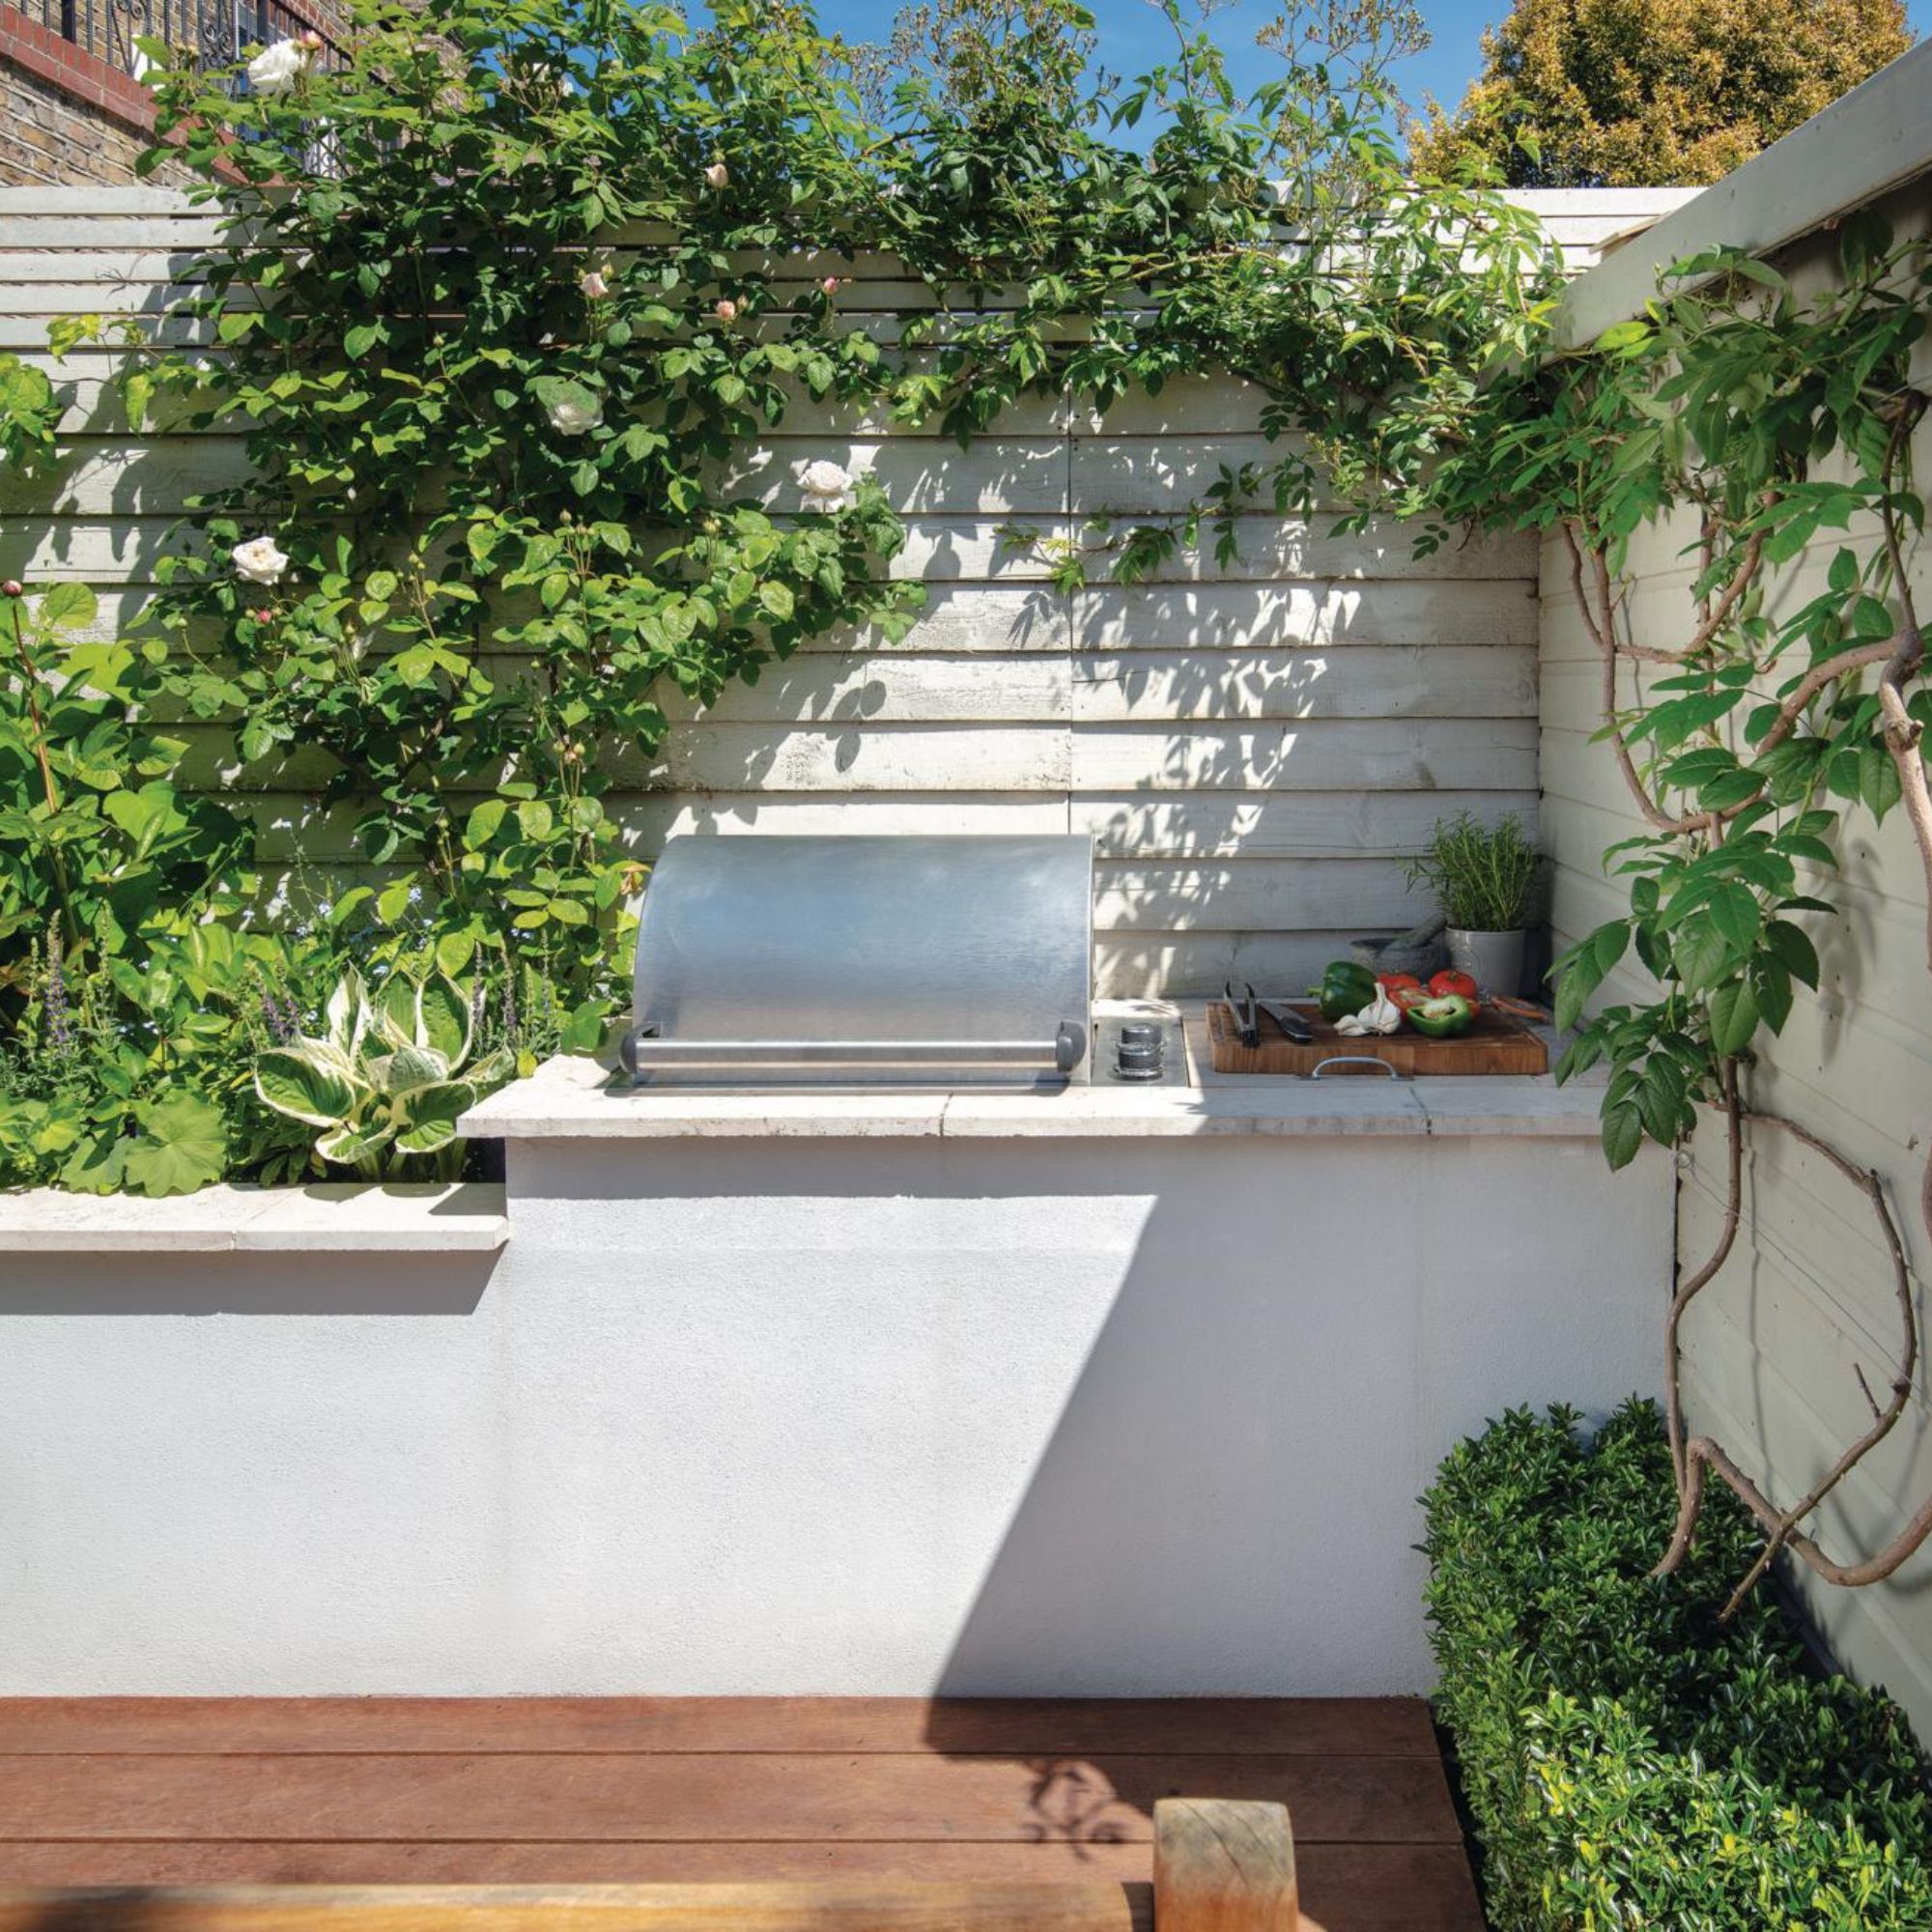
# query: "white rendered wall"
{"points": [[1086, 1416]]}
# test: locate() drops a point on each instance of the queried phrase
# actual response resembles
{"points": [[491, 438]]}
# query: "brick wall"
{"points": [[64, 114], [68, 116], [47, 134]]}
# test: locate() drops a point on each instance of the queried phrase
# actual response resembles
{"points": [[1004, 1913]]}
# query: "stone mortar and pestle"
{"points": [[1419, 951]]}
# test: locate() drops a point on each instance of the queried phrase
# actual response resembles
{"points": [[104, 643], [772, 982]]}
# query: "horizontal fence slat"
{"points": [[1253, 895], [1394, 610], [1314, 824], [1417, 681], [1316, 754]]}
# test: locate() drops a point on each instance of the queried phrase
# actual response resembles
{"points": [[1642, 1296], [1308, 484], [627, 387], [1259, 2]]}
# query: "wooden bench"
{"points": [[1219, 1865]]}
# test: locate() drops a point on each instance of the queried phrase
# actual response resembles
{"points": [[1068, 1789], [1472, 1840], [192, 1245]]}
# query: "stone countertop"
{"points": [[581, 1098], [341, 1217]]}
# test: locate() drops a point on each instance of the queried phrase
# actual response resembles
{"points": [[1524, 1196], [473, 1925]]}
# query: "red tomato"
{"points": [[1460, 984], [1393, 984]]}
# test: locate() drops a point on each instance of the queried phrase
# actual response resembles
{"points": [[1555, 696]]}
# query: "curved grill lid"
{"points": [[864, 959]]}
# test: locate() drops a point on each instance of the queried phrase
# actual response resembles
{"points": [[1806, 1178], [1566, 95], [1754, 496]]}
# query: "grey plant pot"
{"points": [[1492, 959]]}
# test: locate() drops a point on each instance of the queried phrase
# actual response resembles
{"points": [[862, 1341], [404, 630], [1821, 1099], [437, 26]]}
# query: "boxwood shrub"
{"points": [[1626, 1760]]}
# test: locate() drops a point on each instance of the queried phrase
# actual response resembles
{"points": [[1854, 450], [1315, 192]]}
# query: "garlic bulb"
{"points": [[1381, 1015]]}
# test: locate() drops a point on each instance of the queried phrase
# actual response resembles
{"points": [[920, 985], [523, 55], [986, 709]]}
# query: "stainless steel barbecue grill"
{"points": [[866, 961]]}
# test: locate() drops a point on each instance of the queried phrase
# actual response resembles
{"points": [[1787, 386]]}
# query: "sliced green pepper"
{"points": [[1345, 989], [1443, 1018]]}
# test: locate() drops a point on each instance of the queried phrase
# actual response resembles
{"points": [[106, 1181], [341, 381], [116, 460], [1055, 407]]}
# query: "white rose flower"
{"points": [[275, 70], [595, 288], [259, 560], [573, 417], [825, 484], [717, 174]]}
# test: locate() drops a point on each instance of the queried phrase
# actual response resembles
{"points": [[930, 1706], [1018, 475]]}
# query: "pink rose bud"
{"points": [[312, 41], [717, 174], [726, 310], [12, 587], [263, 616], [831, 284]]}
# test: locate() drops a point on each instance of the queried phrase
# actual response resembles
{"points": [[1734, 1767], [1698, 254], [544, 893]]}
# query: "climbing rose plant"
{"points": [[508, 305], [514, 299]]}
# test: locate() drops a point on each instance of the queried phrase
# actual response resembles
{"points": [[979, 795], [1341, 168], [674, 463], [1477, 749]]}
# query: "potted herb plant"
{"points": [[1484, 879]]}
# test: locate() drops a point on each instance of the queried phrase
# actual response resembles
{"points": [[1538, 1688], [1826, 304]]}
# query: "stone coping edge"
{"points": [[328, 1217]]}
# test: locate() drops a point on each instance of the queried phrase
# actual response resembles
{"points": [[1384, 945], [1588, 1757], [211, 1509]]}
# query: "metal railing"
{"points": [[215, 31]]}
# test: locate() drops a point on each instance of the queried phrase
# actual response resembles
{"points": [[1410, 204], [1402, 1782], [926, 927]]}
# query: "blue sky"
{"points": [[1133, 36]]}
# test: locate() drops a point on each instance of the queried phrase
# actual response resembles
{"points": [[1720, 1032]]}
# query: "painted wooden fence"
{"points": [[1256, 749]]}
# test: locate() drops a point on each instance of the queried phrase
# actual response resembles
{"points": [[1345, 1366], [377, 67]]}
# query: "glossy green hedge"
{"points": [[1628, 1760]]}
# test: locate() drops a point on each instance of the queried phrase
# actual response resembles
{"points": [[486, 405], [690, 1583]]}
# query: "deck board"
{"points": [[1027, 1727], [700, 1795], [136, 1791]]}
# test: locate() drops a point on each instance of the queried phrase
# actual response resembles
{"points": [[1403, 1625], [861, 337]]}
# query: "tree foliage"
{"points": [[1654, 92]]}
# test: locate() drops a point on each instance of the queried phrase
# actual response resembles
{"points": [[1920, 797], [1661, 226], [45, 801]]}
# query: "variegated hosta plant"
{"points": [[389, 1081]]}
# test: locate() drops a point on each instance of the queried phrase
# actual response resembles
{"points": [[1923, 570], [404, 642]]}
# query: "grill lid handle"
{"points": [[643, 1050]]}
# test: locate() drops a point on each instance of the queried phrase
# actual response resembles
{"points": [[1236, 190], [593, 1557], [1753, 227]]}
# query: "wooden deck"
{"points": [[193, 1791]]}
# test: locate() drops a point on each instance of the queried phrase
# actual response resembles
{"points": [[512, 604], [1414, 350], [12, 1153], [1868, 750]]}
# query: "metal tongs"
{"points": [[1247, 1017]]}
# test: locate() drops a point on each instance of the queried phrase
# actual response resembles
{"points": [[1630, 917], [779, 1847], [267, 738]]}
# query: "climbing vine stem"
{"points": [[1773, 419]]}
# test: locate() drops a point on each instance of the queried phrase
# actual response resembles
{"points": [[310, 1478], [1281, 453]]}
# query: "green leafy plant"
{"points": [[127, 1008], [98, 838], [136, 1074], [1482, 876], [1630, 1756], [499, 530], [1765, 421], [30, 415], [387, 1078]]}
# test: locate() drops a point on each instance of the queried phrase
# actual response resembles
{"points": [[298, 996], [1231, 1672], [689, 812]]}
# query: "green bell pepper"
{"points": [[1345, 989], [1446, 1017]]}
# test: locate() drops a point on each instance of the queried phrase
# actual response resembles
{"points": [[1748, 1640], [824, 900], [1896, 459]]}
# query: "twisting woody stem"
{"points": [[1903, 659]]}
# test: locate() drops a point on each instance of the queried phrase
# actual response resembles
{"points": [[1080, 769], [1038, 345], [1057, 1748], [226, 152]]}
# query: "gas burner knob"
{"points": [[1138, 1051]]}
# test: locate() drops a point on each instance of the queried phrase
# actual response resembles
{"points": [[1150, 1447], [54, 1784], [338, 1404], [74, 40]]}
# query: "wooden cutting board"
{"points": [[1497, 1043]]}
